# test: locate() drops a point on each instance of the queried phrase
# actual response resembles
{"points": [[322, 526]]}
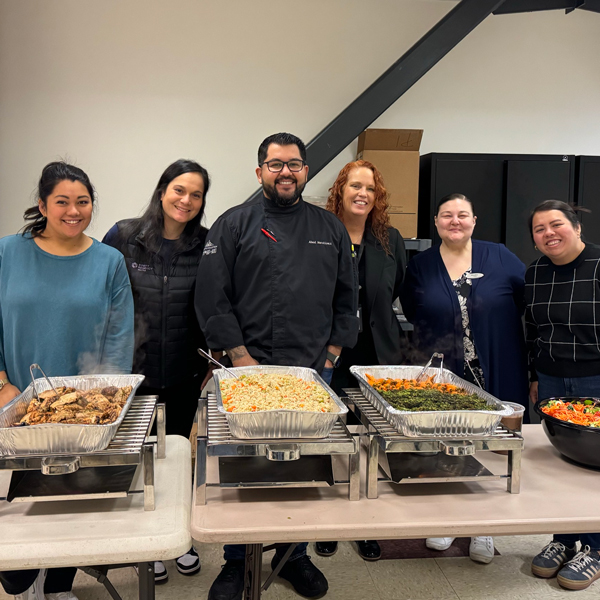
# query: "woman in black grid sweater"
{"points": [[562, 292]]}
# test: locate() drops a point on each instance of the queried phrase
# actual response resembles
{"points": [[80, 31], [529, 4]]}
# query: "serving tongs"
{"points": [[214, 360], [31, 369], [422, 376]]}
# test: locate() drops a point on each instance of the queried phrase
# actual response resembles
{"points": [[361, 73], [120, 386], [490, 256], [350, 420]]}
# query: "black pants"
{"points": [[181, 403], [57, 580]]}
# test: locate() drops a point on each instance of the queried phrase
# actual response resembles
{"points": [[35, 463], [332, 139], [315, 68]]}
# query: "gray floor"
{"points": [[508, 577]]}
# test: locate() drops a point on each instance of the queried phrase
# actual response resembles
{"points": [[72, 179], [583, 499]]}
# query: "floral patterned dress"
{"points": [[473, 370]]}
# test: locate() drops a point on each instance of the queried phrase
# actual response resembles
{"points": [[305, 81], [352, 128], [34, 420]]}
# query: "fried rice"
{"points": [[251, 393]]}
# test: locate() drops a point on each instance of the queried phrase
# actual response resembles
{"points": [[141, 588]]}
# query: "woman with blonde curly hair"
{"points": [[359, 198]]}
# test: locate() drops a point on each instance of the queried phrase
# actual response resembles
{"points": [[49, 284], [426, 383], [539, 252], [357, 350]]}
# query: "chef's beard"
{"points": [[271, 192]]}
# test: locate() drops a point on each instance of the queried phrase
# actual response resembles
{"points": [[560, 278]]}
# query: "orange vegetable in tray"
{"points": [[413, 395]]}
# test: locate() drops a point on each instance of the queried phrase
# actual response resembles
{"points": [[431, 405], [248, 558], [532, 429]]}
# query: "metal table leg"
{"points": [[514, 471], [161, 436], [201, 452], [373, 467], [253, 571], [148, 466], [353, 472], [146, 583], [100, 574]]}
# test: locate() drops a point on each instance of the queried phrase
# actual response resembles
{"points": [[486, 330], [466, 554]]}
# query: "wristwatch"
{"points": [[334, 358], [3, 382]]}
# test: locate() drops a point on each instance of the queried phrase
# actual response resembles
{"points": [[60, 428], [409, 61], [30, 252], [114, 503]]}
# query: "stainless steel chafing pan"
{"points": [[448, 423], [60, 438], [279, 423]]}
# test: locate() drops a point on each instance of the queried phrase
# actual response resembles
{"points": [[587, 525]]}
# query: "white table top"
{"points": [[548, 486], [110, 531]]}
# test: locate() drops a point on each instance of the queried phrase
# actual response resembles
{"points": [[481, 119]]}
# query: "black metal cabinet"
{"points": [[503, 187], [588, 196]]}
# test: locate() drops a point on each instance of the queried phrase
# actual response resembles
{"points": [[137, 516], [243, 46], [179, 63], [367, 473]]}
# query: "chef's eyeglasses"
{"points": [[275, 166]]}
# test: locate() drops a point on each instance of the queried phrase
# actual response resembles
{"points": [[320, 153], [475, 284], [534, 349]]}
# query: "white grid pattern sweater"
{"points": [[563, 315]]}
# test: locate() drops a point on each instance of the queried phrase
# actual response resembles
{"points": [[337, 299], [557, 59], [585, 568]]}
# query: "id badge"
{"points": [[359, 315]]}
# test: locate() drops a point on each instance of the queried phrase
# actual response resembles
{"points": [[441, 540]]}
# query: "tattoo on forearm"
{"points": [[237, 352]]}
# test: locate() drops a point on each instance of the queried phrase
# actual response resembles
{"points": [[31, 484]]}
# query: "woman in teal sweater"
{"points": [[66, 304]]}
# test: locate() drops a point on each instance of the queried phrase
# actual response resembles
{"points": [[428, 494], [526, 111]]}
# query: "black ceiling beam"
{"points": [[591, 5], [397, 80], [521, 6]]}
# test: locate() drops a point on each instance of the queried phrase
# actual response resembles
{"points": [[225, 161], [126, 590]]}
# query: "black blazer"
{"points": [[384, 275]]}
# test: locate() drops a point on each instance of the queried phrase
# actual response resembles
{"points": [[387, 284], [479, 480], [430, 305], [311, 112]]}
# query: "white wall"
{"points": [[124, 87]]}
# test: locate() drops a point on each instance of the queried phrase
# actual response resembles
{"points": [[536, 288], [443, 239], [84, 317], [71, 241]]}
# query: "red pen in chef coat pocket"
{"points": [[269, 234]]}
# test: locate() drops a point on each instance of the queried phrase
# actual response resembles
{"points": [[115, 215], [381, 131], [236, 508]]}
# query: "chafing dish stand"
{"points": [[271, 463], [395, 458], [106, 473]]}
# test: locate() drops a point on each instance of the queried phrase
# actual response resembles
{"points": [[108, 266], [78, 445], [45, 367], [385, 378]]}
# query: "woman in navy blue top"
{"points": [[483, 280], [465, 298]]}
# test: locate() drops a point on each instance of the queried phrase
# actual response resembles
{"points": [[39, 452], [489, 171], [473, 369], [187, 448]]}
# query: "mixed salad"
{"points": [[579, 412]]}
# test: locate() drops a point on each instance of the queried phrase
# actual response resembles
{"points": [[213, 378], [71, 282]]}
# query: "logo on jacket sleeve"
{"points": [[209, 248]]}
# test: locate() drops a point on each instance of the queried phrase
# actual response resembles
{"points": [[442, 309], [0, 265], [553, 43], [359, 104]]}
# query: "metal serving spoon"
{"points": [[207, 355]]}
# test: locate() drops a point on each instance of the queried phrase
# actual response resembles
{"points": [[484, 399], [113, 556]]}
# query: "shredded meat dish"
{"points": [[98, 406]]}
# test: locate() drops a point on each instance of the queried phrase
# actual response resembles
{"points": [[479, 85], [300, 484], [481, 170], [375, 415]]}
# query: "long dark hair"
{"points": [[152, 222], [52, 174]]}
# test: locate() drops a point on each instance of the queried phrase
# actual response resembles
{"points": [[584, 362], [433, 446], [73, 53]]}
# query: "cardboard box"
{"points": [[405, 223], [395, 152]]}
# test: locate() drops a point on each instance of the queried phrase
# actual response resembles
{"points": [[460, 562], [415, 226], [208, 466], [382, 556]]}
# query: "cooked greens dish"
{"points": [[412, 395]]}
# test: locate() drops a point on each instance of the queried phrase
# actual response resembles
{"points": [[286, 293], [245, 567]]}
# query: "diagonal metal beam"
{"points": [[397, 80], [591, 5], [521, 6]]}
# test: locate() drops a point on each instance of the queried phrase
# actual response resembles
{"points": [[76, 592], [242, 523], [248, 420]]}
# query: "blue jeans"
{"points": [[327, 374], [238, 551], [574, 387]]}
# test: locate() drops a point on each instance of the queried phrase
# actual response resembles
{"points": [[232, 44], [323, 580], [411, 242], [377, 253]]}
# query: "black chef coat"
{"points": [[285, 300]]}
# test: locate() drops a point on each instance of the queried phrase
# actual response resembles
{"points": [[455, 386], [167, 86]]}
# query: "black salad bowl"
{"points": [[577, 442]]}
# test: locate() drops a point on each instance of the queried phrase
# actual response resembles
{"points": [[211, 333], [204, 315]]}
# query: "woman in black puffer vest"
{"points": [[162, 249]]}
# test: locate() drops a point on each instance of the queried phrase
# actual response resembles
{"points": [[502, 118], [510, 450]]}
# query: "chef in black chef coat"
{"points": [[276, 285]]}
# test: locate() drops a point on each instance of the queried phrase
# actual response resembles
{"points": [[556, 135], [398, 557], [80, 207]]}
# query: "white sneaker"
{"points": [[160, 572], [439, 543], [62, 596], [481, 549], [36, 590], [189, 563]]}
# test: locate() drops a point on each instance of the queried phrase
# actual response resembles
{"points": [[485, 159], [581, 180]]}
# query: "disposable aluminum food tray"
{"points": [[279, 423], [441, 423], [60, 438]]}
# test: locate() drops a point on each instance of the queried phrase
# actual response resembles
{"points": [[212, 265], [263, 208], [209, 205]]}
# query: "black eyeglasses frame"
{"points": [[284, 163]]}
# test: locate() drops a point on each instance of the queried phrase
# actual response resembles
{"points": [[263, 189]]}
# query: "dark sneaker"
{"points": [[326, 548], [551, 559], [189, 563], [160, 572], [581, 571], [306, 579], [229, 584], [369, 550]]}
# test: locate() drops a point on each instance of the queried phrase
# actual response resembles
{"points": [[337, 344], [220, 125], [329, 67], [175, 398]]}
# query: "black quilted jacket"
{"points": [[167, 333]]}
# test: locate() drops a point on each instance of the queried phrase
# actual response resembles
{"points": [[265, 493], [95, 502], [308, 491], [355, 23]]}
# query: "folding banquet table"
{"points": [[549, 485], [84, 533]]}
